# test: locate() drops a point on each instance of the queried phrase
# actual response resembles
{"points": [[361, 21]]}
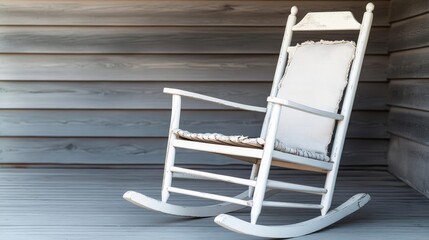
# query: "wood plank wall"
{"points": [[81, 81], [408, 92]]}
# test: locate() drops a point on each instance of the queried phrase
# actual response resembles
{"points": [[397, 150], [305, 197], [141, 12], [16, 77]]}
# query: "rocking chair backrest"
{"points": [[316, 76]]}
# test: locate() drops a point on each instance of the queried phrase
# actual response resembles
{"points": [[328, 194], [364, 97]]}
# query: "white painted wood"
{"points": [[149, 203], [264, 170], [281, 64], [210, 196], [290, 158], [340, 134], [188, 176], [294, 187], [290, 205], [188, 211], [253, 175], [219, 177], [327, 21], [263, 158], [218, 148], [214, 100], [171, 151], [304, 108], [294, 230]]}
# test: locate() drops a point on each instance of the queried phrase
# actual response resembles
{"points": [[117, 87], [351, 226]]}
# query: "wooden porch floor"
{"points": [[79, 203]]}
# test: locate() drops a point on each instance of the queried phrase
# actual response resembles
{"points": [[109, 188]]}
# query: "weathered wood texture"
{"points": [[409, 63], [92, 72], [152, 67], [409, 123], [171, 13], [154, 123], [409, 161], [410, 33], [86, 204], [408, 92], [148, 95], [146, 151], [166, 40], [402, 9]]}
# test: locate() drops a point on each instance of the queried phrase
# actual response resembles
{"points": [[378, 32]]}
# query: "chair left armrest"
{"points": [[304, 108], [214, 100]]}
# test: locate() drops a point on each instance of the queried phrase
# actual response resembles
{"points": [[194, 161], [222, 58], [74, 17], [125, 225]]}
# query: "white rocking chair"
{"points": [[300, 119]]}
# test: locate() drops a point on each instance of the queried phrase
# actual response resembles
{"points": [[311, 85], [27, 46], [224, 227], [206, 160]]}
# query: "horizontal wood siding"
{"points": [[409, 161], [114, 150], [155, 123], [409, 64], [81, 81], [408, 92], [410, 33], [403, 9], [409, 123], [145, 68], [171, 13], [148, 95], [164, 40]]}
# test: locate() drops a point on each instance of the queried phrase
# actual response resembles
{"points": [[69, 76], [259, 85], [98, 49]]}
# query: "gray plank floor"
{"points": [[79, 203]]}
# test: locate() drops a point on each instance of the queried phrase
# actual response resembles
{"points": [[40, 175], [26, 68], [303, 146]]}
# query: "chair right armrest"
{"points": [[304, 108]]}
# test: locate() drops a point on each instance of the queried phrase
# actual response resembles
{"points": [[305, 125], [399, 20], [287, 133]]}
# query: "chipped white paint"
{"points": [[326, 21]]}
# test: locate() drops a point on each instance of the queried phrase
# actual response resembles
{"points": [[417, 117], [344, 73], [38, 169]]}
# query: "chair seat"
{"points": [[245, 141]]}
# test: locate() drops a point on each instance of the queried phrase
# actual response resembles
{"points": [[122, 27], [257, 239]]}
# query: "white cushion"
{"points": [[316, 76]]}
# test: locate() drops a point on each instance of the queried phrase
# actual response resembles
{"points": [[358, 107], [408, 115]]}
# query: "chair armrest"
{"points": [[214, 100], [304, 108]]}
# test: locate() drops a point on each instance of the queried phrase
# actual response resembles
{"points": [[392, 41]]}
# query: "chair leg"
{"points": [[168, 175], [259, 195], [265, 165], [171, 151], [253, 175], [330, 186]]}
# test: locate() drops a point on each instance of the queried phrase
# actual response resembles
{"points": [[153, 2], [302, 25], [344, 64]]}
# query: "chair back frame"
{"points": [[326, 21]]}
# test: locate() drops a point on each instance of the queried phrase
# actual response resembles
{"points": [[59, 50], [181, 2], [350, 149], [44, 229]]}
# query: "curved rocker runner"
{"points": [[186, 211], [297, 229], [312, 81]]}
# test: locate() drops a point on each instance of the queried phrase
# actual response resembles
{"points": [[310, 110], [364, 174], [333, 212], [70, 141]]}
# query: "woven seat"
{"points": [[245, 141]]}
